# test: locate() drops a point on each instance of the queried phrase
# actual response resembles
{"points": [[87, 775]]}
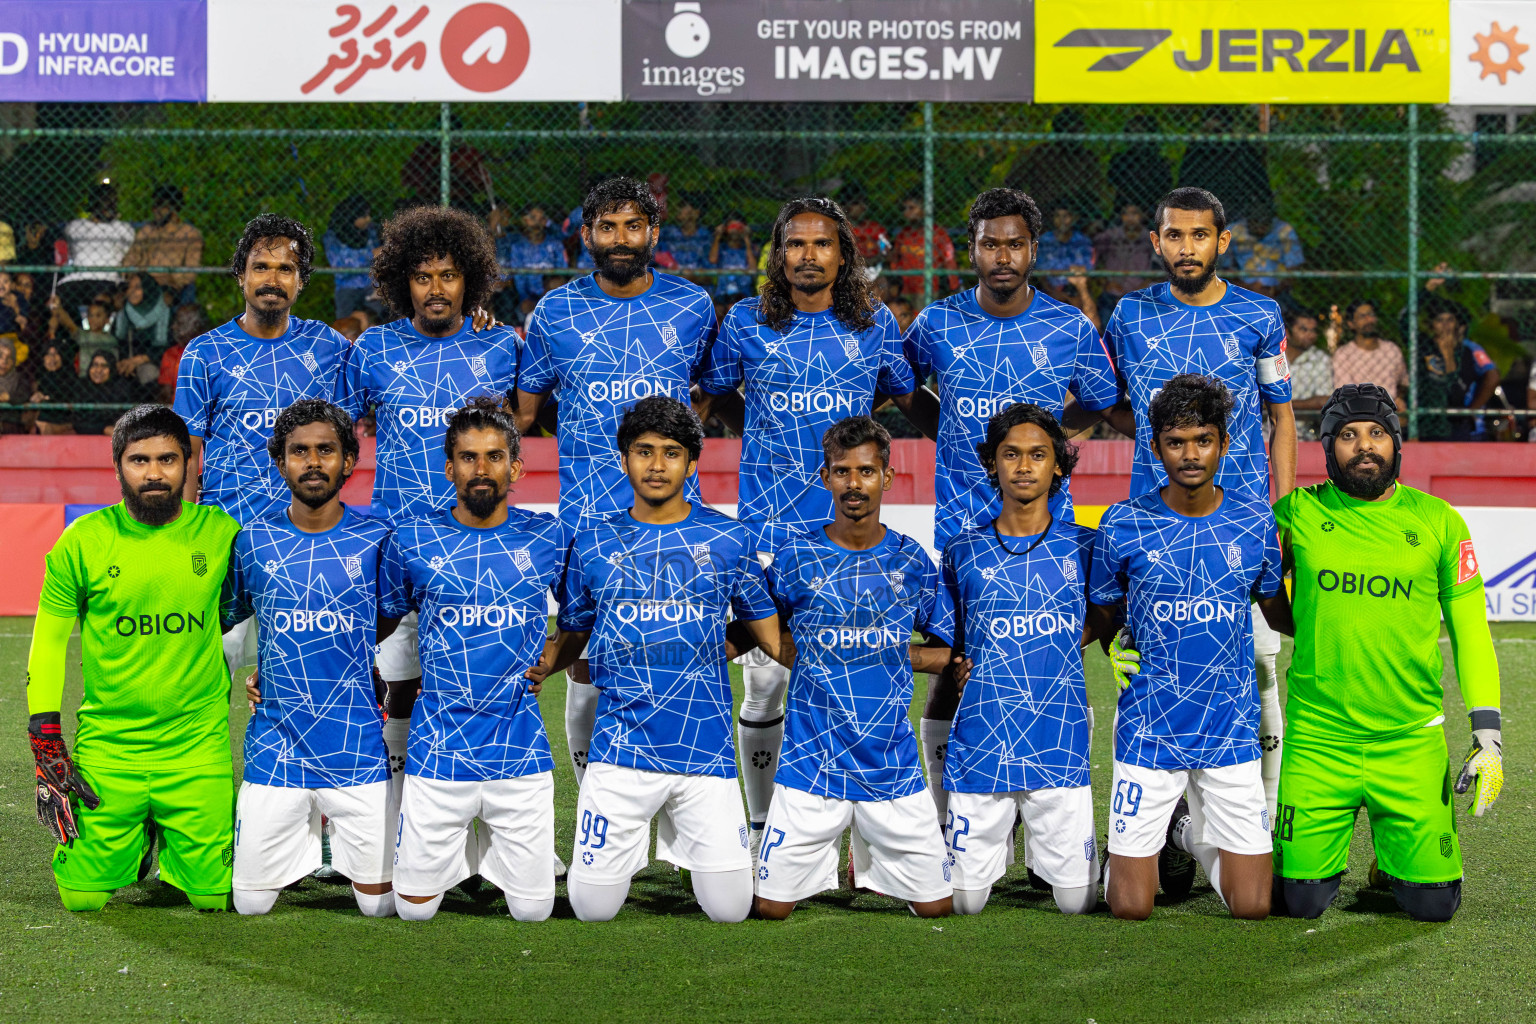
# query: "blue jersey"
{"points": [[985, 364], [415, 384], [520, 251], [730, 258], [605, 354], [229, 390], [1190, 584], [482, 599], [798, 384], [656, 600], [1023, 718], [1240, 340], [690, 251], [847, 734], [316, 601]]}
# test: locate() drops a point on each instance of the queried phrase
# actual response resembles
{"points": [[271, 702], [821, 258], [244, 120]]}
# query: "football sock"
{"points": [[408, 911], [760, 733], [1271, 733], [1090, 727], [726, 896], [255, 901], [79, 900], [593, 902], [1180, 833], [397, 733], [209, 900], [370, 904], [1210, 859], [529, 910], [934, 733], [970, 901], [580, 713], [1079, 899]]}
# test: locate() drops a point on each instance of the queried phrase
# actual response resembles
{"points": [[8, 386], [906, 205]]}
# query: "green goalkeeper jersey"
{"points": [[1370, 581], [156, 686]]}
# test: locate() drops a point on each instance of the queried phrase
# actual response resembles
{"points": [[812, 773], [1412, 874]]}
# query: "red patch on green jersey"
{"points": [[1468, 567]]}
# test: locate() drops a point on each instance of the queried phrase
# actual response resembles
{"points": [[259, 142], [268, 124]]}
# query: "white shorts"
{"points": [[1058, 825], [1226, 808], [516, 846], [397, 657], [702, 828], [277, 833], [1266, 640], [897, 847]]}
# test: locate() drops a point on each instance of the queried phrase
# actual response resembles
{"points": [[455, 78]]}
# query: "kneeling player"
{"points": [[315, 744], [651, 588], [1377, 563], [1190, 558], [1020, 740], [478, 575], [853, 592]]}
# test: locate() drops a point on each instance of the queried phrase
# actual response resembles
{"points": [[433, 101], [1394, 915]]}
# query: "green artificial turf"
{"points": [[149, 956]]}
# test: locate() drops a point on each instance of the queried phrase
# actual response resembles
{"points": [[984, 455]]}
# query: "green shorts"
{"points": [[1404, 784], [193, 810]]}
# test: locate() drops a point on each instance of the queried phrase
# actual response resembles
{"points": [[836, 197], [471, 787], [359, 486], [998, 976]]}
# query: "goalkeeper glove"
{"points": [[57, 776], [1124, 660], [1483, 769]]}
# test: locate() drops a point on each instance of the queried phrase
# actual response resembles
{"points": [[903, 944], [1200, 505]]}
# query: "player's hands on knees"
{"points": [[57, 778], [1124, 659], [253, 689], [1483, 770]]}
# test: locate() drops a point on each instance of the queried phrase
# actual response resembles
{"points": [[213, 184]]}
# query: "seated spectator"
{"points": [[1126, 246], [13, 315], [142, 330], [868, 234], [24, 285], [1262, 244], [535, 246], [102, 386], [7, 243], [350, 239], [901, 308], [97, 239], [1311, 370], [168, 241], [39, 243], [1453, 372], [13, 387], [1369, 358], [732, 249], [187, 322], [1065, 248], [54, 380], [683, 236], [907, 253], [96, 336]]}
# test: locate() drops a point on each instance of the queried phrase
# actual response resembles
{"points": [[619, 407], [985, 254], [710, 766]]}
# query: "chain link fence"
{"points": [[1418, 211]]}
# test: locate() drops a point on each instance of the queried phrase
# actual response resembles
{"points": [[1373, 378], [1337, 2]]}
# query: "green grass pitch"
{"points": [[845, 958]]}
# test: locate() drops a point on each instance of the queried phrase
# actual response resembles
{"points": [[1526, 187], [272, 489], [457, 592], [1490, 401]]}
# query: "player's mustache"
{"points": [[315, 475], [620, 250], [482, 481], [271, 289], [150, 488], [1366, 457]]}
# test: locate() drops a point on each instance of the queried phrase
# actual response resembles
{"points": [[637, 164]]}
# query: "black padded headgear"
{"points": [[1352, 403]]}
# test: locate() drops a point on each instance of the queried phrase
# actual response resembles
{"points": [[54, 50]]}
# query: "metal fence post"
{"points": [[444, 137], [1412, 340], [927, 203]]}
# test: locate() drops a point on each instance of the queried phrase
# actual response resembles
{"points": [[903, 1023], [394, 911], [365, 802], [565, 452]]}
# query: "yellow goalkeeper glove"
{"points": [[1124, 660]]}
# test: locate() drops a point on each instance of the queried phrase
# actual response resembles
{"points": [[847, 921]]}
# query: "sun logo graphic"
{"points": [[1512, 49], [436, 562]]}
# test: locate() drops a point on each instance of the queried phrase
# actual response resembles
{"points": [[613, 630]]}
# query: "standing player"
{"points": [[853, 592], [234, 380], [1197, 323], [652, 588], [1189, 558], [143, 577], [1377, 563], [478, 575], [415, 372], [999, 343], [606, 341], [314, 746], [814, 349]]}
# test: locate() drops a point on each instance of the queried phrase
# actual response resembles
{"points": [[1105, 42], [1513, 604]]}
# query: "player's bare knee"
{"points": [[1249, 906], [417, 908], [933, 908], [1132, 907], [1433, 904], [773, 910]]}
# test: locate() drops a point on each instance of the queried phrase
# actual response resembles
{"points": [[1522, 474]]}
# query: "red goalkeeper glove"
{"points": [[57, 777]]}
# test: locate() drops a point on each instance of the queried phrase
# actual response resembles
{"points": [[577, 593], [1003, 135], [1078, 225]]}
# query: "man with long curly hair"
{"points": [[434, 268], [813, 349]]}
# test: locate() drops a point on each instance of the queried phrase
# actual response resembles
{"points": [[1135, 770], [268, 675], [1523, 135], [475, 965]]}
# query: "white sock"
{"points": [[596, 902], [970, 901], [1210, 859], [1090, 730], [375, 904], [580, 713], [726, 896], [1181, 835], [529, 910], [255, 901], [934, 734], [760, 731], [1271, 733], [409, 911], [1079, 899]]}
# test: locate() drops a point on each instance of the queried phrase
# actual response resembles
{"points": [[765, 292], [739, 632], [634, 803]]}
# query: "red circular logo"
{"points": [[485, 47]]}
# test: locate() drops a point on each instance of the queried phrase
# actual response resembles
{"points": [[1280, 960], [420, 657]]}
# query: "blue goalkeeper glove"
{"points": [[1124, 660], [57, 777], [1483, 769]]}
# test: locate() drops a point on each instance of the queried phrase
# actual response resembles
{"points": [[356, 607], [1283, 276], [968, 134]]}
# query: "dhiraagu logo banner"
{"points": [[1241, 51]]}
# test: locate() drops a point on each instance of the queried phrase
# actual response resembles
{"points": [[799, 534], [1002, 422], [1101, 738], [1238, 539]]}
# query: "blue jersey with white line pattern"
{"points": [[315, 597], [985, 364], [847, 734], [1189, 584], [656, 599], [798, 384], [229, 389], [482, 598], [1019, 604]]}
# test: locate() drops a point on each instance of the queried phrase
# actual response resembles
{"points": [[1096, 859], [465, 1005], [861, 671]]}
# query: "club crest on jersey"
{"points": [[199, 564], [1069, 569], [897, 578], [522, 559], [436, 562], [1229, 345], [669, 335], [851, 348], [1234, 555], [701, 555], [477, 365], [310, 362], [1467, 566], [1037, 354], [354, 566], [1411, 537]]}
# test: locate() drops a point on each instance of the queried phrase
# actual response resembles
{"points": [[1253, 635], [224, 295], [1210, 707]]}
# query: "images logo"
{"points": [[687, 32]]}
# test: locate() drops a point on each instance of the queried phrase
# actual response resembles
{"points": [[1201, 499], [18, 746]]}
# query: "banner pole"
{"points": [[444, 135], [1413, 271], [927, 202]]}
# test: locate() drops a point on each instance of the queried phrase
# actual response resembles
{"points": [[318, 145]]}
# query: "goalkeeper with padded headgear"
{"points": [[1376, 564]]}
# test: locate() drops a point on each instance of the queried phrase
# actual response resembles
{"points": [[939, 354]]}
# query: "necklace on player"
{"points": [[1038, 540]]}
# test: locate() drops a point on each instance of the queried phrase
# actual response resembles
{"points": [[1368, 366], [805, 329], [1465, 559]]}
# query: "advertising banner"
{"points": [[1491, 62], [1235, 51], [102, 50], [884, 50], [1506, 555], [308, 51]]}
